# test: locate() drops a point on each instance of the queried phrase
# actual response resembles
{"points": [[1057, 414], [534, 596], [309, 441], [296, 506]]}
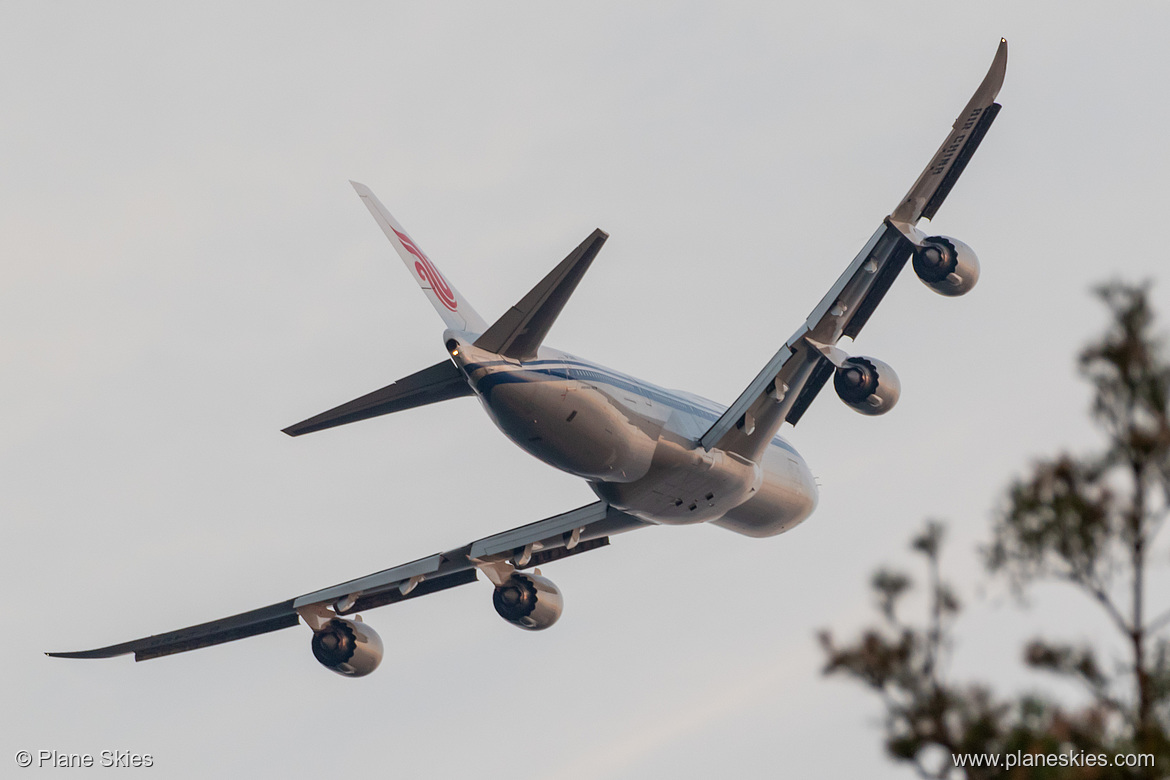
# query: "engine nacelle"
{"points": [[946, 265], [529, 601], [867, 385], [348, 647]]}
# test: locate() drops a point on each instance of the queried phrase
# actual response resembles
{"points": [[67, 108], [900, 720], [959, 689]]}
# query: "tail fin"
{"points": [[451, 306]]}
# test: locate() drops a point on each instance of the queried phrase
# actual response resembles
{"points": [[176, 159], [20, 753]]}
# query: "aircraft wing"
{"points": [[789, 382], [535, 544]]}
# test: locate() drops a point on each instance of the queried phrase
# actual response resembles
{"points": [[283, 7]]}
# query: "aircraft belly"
{"points": [[685, 485], [688, 485], [785, 498], [574, 428]]}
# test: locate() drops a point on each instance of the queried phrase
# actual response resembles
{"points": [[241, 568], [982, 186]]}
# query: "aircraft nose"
{"points": [[811, 486]]}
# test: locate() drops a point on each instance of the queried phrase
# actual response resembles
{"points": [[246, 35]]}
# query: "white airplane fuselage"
{"points": [[636, 443]]}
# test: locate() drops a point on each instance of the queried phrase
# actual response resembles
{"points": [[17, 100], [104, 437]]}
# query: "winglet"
{"points": [[523, 327], [257, 621], [992, 82], [935, 183]]}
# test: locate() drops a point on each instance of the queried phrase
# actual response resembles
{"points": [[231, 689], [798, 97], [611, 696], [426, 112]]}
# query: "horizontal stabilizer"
{"points": [[440, 382], [523, 327]]}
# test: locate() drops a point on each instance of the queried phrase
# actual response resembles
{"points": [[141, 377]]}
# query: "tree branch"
{"points": [[1158, 623], [1101, 596]]}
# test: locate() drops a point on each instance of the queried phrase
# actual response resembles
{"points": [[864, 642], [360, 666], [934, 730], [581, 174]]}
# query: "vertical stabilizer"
{"points": [[451, 306]]}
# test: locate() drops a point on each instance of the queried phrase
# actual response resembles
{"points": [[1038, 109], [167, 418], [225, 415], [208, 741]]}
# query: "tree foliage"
{"points": [[1087, 520]]}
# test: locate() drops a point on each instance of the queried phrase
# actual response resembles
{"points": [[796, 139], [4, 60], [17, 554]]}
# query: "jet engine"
{"points": [[867, 385], [348, 647], [529, 601], [946, 265]]}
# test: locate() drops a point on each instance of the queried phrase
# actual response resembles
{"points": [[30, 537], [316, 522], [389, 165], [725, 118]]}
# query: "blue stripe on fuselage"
{"points": [[585, 372]]}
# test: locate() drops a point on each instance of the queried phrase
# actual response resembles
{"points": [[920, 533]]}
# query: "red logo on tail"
{"points": [[429, 274]]}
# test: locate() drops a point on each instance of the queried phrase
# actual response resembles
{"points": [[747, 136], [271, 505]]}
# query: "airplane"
{"points": [[652, 456]]}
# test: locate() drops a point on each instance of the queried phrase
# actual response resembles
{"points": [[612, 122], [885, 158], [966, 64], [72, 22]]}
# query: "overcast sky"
{"points": [[185, 271]]}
